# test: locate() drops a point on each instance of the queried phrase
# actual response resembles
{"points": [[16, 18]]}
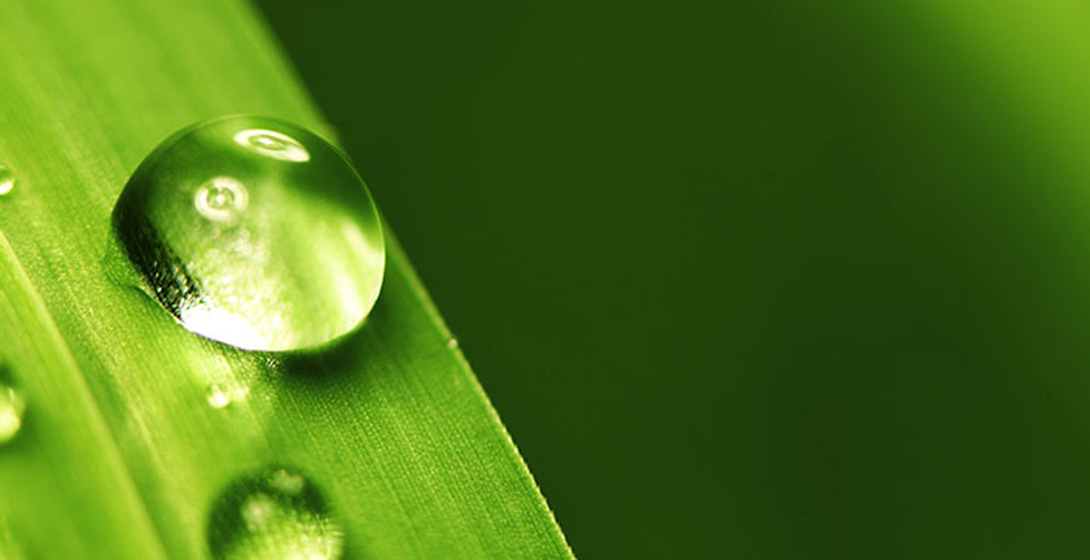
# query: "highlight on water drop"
{"points": [[273, 144], [7, 180], [222, 199], [274, 514], [253, 232], [12, 405]]}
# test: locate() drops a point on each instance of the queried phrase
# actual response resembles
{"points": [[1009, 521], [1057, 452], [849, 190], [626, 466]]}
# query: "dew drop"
{"points": [[217, 397], [252, 232], [276, 514], [7, 180], [220, 395], [12, 406]]}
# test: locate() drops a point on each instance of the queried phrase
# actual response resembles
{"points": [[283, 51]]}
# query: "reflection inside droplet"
{"points": [[272, 144], [222, 199], [258, 512], [287, 481]]}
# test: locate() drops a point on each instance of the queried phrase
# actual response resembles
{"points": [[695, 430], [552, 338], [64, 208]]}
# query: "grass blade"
{"points": [[391, 423]]}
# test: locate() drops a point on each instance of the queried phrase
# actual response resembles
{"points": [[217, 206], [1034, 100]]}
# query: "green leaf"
{"points": [[120, 455]]}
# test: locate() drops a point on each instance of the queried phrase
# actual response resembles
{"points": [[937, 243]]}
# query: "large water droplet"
{"points": [[276, 514], [7, 180], [253, 232], [12, 406]]}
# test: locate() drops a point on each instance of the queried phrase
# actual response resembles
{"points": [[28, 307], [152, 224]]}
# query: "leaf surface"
{"points": [[120, 455]]}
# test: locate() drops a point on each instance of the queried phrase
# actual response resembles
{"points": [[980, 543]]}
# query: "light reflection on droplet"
{"points": [[12, 406], [222, 199], [218, 324], [272, 144], [7, 180], [258, 512], [287, 482]]}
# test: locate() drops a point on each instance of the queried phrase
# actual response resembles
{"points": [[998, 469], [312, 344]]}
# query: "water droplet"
{"points": [[7, 180], [273, 515], [452, 343], [12, 406], [217, 397], [221, 394], [253, 232]]}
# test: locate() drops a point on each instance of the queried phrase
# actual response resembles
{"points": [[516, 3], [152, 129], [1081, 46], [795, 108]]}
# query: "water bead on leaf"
{"points": [[275, 514], [253, 232], [12, 405], [7, 180]]}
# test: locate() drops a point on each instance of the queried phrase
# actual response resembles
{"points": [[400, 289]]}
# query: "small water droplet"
{"points": [[7, 180], [253, 232], [276, 514], [12, 406], [452, 343], [217, 397], [222, 394]]}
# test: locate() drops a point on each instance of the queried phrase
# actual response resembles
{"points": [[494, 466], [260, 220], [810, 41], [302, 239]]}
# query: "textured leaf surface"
{"points": [[121, 456]]}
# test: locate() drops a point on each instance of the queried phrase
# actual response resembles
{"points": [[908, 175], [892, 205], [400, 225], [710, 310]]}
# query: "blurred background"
{"points": [[781, 279]]}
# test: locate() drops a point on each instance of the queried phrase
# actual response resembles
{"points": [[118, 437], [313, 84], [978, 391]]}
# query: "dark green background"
{"points": [[751, 280]]}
